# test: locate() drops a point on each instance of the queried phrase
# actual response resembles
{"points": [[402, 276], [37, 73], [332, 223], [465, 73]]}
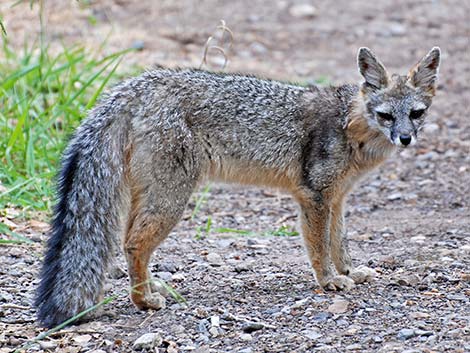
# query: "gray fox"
{"points": [[131, 166]]}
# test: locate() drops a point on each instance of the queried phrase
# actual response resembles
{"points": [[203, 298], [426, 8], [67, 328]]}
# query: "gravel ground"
{"points": [[255, 292]]}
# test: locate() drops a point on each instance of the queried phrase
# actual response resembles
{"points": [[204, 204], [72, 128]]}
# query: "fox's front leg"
{"points": [[315, 218], [339, 249]]}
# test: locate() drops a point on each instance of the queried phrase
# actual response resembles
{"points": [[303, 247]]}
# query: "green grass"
{"points": [[13, 238], [43, 98], [207, 229]]}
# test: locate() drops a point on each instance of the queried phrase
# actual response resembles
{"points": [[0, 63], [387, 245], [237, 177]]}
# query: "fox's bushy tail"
{"points": [[86, 218]]}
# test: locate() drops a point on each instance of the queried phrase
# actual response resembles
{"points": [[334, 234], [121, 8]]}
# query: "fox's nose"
{"points": [[405, 139]]}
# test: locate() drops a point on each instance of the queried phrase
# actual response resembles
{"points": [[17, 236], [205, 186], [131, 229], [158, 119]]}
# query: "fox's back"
{"points": [[243, 118]]}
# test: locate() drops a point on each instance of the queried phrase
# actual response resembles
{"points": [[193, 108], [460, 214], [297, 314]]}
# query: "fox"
{"points": [[131, 166]]}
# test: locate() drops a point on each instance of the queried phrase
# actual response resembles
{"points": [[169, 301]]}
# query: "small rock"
{"points": [[168, 267], [303, 11], [395, 196], [322, 316], [246, 350], [138, 45], [352, 330], [418, 239], [147, 341], [164, 276], [354, 347], [200, 313], [339, 306], [250, 327], [178, 277], [300, 303], [47, 345], [215, 321], [377, 339], [408, 280], [214, 259], [425, 333], [82, 339], [246, 337], [406, 333], [214, 331], [202, 326], [243, 267], [312, 334], [419, 315]]}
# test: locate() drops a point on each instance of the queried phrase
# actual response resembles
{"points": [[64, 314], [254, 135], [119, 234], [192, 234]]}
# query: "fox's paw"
{"points": [[337, 283], [151, 301], [362, 274]]}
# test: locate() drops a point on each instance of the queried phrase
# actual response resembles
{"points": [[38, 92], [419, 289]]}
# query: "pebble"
{"points": [[168, 267], [246, 337], [408, 280], [395, 196], [339, 306], [147, 341], [138, 45], [164, 276], [419, 315], [202, 326], [300, 303], [214, 259], [47, 345], [215, 321], [178, 277], [321, 316], [243, 267], [354, 347], [82, 339], [406, 333], [418, 239], [313, 334], [246, 350], [250, 327], [303, 11], [425, 333], [214, 331]]}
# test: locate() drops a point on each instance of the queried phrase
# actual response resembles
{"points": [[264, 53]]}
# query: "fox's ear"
{"points": [[371, 69], [424, 74]]}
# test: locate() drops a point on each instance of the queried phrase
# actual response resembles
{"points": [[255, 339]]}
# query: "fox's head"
{"points": [[394, 104]]}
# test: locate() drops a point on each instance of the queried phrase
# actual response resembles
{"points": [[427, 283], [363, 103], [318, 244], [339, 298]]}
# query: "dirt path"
{"points": [[409, 220]]}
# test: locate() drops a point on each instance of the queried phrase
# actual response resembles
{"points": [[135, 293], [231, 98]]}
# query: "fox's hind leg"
{"points": [[159, 190]]}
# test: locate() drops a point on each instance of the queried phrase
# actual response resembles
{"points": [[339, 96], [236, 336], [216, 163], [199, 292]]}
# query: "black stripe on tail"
{"points": [[49, 313]]}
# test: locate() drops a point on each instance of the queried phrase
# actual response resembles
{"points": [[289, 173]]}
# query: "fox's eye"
{"points": [[416, 114], [385, 116]]}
